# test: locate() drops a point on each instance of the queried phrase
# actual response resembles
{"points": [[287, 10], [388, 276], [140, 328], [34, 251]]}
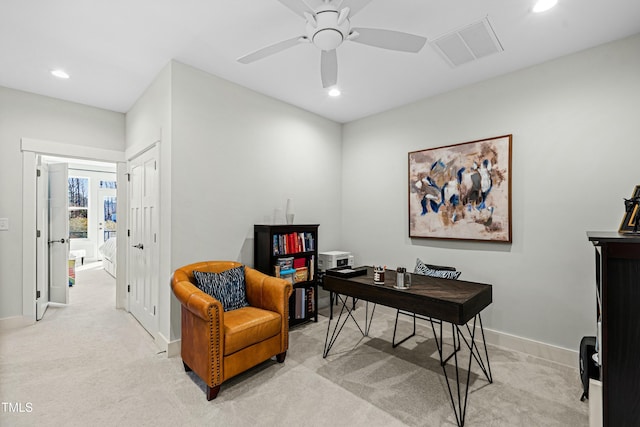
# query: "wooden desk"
{"points": [[439, 300]]}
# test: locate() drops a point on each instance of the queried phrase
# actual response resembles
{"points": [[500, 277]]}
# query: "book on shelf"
{"points": [[304, 303], [285, 263], [291, 243], [300, 303], [311, 302], [301, 275]]}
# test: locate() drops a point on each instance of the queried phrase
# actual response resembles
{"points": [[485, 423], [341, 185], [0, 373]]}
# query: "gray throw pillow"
{"points": [[228, 287], [436, 270]]}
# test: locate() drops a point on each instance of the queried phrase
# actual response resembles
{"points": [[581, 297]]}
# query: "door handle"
{"points": [[57, 241], [138, 246]]}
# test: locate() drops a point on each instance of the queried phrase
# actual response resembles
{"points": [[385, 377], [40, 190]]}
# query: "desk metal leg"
{"points": [[348, 313], [475, 351], [458, 401], [394, 344], [331, 300]]}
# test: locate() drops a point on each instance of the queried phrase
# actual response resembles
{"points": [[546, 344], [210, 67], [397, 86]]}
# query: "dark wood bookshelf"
{"points": [[618, 290], [273, 245]]}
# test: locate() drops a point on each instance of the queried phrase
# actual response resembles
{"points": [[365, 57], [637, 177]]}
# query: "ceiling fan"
{"points": [[328, 26]]}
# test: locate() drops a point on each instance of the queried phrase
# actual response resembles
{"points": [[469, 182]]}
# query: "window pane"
{"points": [[78, 208], [78, 192], [78, 223], [108, 184], [109, 217]]}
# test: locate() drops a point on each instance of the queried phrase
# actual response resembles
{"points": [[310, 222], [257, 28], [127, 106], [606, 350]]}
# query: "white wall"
{"points": [[575, 133], [236, 156], [25, 115]]}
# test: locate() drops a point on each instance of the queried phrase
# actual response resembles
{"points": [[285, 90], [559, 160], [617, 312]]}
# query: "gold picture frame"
{"points": [[629, 224]]}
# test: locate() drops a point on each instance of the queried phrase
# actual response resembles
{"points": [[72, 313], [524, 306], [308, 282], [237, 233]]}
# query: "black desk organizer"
{"points": [[346, 271]]}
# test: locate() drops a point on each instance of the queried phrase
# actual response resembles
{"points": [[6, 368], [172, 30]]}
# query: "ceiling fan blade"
{"points": [[329, 68], [387, 39], [299, 7], [270, 50], [355, 5]]}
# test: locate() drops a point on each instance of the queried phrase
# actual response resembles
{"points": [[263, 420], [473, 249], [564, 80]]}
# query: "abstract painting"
{"points": [[462, 191]]}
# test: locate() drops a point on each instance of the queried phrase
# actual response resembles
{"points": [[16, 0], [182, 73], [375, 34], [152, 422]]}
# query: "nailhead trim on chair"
{"points": [[286, 319], [216, 348]]}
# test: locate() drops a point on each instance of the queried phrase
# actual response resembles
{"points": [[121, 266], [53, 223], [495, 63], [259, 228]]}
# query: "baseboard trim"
{"points": [[172, 348], [534, 348]]}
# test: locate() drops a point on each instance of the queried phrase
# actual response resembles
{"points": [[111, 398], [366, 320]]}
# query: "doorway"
{"points": [[76, 214], [31, 149]]}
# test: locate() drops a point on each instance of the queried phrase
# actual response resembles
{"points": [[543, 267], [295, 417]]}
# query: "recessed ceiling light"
{"points": [[334, 92], [61, 74], [543, 5]]}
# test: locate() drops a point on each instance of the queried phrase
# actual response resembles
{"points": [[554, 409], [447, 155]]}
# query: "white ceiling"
{"points": [[113, 49]]}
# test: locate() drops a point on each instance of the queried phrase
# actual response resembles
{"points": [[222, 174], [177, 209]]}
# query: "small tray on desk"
{"points": [[346, 271]]}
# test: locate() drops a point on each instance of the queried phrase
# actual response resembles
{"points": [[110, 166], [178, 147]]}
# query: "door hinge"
{"points": [[128, 288], [128, 177], [155, 240], [38, 172], [154, 310], [128, 233], [155, 165], [37, 233], [37, 294]]}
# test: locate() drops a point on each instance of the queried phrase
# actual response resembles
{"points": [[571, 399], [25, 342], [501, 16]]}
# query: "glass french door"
{"points": [[107, 215]]}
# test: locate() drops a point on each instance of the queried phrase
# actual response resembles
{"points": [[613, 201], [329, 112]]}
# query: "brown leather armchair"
{"points": [[218, 345]]}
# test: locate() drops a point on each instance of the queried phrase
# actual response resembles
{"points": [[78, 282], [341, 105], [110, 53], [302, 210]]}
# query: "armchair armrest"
{"points": [[202, 330], [197, 302], [268, 292]]}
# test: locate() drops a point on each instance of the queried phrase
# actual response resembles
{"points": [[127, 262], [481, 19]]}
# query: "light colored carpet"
{"points": [[89, 364]]}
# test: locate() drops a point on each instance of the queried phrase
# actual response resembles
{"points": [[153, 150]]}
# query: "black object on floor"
{"points": [[588, 367]]}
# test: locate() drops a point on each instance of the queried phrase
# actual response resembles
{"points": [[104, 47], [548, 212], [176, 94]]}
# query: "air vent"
{"points": [[468, 43]]}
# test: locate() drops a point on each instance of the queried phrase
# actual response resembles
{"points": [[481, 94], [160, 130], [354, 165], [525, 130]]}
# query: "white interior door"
{"points": [[59, 233], [142, 248], [42, 241]]}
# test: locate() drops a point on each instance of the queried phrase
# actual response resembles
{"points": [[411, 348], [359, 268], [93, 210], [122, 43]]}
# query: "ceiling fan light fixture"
{"points": [[328, 28], [544, 5], [328, 39]]}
